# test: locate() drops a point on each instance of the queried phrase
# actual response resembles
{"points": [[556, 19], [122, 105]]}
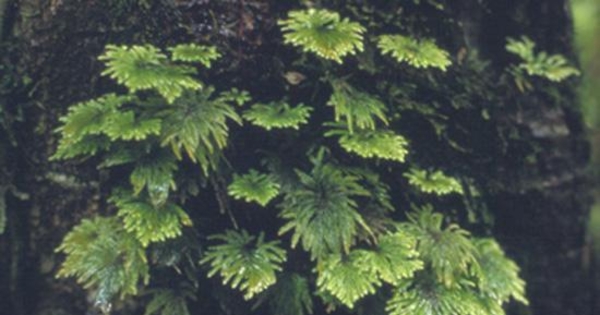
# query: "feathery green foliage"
{"points": [[552, 67], [254, 186], [393, 259], [149, 223], [86, 146], [345, 278], [155, 173], [338, 209], [322, 211], [497, 275], [352, 276], [358, 109], [90, 118], [145, 68], [124, 125], [235, 96], [278, 115], [103, 256], [420, 54], [383, 144], [323, 32], [245, 262], [194, 53], [433, 182], [448, 251], [290, 295], [91, 126], [84, 127], [458, 274], [196, 124], [423, 296]]}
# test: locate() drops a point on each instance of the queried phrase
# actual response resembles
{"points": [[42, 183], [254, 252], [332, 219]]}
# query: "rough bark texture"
{"points": [[542, 213], [537, 188]]}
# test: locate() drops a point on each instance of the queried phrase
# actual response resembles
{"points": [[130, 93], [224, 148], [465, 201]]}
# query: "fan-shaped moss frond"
{"points": [[433, 182], [254, 186], [394, 258], [552, 67], [196, 124], [194, 53], [92, 126], [125, 125], [86, 146], [102, 256], [278, 115], [90, 118], [344, 277], [291, 295], [235, 96], [147, 222], [449, 251], [323, 32], [245, 262], [357, 108], [498, 276], [424, 296], [145, 67], [523, 48], [383, 144], [170, 301], [155, 173], [98, 117], [420, 54], [321, 211]]}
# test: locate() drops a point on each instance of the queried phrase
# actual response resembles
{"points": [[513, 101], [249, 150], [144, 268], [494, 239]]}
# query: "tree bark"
{"points": [[541, 215]]}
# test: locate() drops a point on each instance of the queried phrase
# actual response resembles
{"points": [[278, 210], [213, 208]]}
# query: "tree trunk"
{"points": [[541, 213], [536, 183]]}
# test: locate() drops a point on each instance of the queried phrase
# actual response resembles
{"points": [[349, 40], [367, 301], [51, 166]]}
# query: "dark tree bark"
{"points": [[541, 212], [534, 173]]}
